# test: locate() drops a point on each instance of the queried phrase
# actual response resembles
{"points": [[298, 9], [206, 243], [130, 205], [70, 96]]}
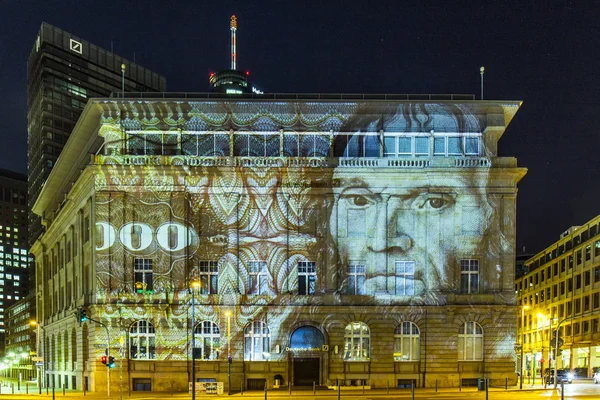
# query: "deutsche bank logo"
{"points": [[76, 46]]}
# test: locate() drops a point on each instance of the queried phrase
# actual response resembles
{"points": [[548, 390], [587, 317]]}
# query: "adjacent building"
{"points": [[14, 253], [21, 341], [561, 290], [63, 72], [280, 239]]}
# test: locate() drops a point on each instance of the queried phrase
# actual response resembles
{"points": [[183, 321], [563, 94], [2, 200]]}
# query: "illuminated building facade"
{"points": [[21, 338], [332, 237], [63, 72], [14, 254], [562, 286]]}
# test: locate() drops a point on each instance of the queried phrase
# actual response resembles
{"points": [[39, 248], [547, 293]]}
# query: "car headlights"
{"points": [[570, 375]]}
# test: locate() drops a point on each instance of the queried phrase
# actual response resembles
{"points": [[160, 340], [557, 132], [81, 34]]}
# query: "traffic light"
{"points": [[103, 358], [111, 362], [82, 314]]}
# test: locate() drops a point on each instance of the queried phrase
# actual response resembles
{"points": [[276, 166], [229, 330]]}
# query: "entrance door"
{"points": [[306, 371]]}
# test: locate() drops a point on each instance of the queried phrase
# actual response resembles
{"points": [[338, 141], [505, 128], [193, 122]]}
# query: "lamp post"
{"points": [[544, 319], [194, 286], [229, 359], [522, 340], [40, 359]]}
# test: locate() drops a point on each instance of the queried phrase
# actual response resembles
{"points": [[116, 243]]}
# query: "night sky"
{"points": [[546, 56]]}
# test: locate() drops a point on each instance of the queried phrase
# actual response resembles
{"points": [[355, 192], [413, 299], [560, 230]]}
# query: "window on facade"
{"points": [[561, 310], [307, 277], [578, 257], [470, 342], [570, 285], [256, 341], [596, 274], [142, 339], [563, 265], [469, 276], [406, 342], [578, 282], [570, 261], [595, 325], [596, 300], [587, 278], [405, 278], [356, 272], [576, 328], [357, 340], [577, 306], [554, 291], [207, 341], [258, 277], [588, 252], [562, 288], [568, 330], [360, 146], [597, 248], [586, 303], [209, 277], [569, 308], [555, 269], [142, 275]]}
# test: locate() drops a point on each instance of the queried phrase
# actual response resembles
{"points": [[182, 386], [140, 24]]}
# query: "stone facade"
{"points": [[319, 241]]}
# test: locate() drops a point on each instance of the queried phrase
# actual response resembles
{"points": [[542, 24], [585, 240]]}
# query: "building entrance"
{"points": [[306, 371]]}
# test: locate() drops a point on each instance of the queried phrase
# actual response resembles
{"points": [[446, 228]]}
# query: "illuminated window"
{"points": [[208, 341], [142, 339], [256, 341], [142, 271], [405, 278], [209, 276], [357, 338], [307, 277], [469, 276], [356, 278], [597, 248], [470, 342], [258, 277], [406, 342]]}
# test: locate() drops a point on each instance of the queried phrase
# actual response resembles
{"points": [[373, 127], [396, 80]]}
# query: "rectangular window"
{"points": [[588, 252], [356, 272], [596, 300], [421, 146], [562, 288], [596, 274], [142, 274], [586, 303], [597, 248], [578, 282], [454, 146], [578, 257], [307, 277], [405, 278], [258, 277], [209, 277], [439, 146], [577, 306], [404, 147], [471, 146], [587, 278], [469, 276], [389, 146]]}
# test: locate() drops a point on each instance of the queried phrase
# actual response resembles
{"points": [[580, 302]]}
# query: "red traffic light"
{"points": [[103, 360]]}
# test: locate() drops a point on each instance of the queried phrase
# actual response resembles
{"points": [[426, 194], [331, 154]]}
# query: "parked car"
{"points": [[562, 375], [596, 377]]}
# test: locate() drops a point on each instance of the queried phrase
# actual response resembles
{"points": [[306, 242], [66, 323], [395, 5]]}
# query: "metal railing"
{"points": [[292, 96]]}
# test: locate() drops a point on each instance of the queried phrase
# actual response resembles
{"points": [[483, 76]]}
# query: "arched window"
{"points": [[470, 342], [142, 341], [256, 341], [357, 338], [307, 337], [406, 342], [208, 341]]}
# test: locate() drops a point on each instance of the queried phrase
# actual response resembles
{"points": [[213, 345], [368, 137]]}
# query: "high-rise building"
{"points": [[281, 239], [63, 72], [561, 291], [21, 339], [14, 247]]}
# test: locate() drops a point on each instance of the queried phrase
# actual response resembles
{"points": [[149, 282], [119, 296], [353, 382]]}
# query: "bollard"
{"points": [[562, 390], [53, 395], [290, 387], [12, 388], [339, 394], [506, 383], [63, 390], [314, 387], [412, 390], [460, 386], [26, 388], [46, 390], [18, 385], [387, 387], [265, 390], [436, 385], [241, 388], [363, 383]]}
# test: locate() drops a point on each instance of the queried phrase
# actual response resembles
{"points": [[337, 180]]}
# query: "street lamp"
{"points": [[195, 285], [37, 352], [229, 359], [522, 341], [544, 319]]}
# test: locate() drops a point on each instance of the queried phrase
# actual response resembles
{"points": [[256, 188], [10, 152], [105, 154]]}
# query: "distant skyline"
{"points": [[545, 56]]}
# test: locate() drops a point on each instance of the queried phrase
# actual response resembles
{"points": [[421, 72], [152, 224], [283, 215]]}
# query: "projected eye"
{"points": [[360, 201], [437, 201]]}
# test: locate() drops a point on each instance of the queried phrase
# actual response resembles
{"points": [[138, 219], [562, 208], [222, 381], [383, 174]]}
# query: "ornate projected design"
{"points": [[258, 223]]}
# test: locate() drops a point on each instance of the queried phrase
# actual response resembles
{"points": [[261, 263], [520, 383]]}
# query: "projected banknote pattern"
{"points": [[228, 207]]}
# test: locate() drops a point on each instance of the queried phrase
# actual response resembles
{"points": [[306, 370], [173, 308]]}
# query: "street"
{"points": [[583, 389]]}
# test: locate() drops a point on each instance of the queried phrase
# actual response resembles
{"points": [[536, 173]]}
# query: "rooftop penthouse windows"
{"points": [[296, 144]]}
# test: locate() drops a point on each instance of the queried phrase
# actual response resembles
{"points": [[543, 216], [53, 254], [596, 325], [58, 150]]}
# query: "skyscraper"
{"points": [[63, 72], [13, 242]]}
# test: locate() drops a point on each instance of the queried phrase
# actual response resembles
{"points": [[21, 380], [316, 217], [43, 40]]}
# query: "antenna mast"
{"points": [[233, 27]]}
